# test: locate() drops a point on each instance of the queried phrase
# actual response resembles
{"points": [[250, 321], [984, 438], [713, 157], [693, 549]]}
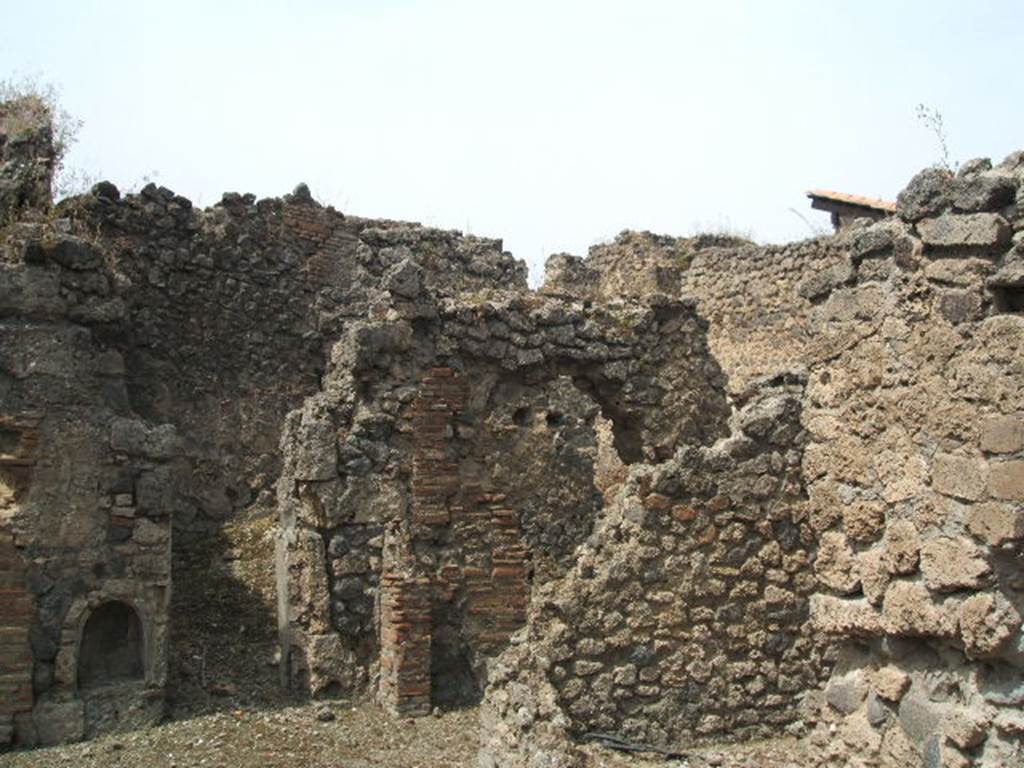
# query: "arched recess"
{"points": [[112, 647]]}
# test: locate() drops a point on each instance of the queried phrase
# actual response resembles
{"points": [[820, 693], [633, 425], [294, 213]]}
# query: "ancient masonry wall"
{"points": [[684, 614], [87, 492], [422, 414], [908, 331], [840, 555], [760, 302], [231, 311], [914, 479]]}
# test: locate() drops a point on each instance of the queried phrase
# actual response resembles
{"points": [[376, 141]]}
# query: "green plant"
{"points": [[932, 120], [36, 101]]}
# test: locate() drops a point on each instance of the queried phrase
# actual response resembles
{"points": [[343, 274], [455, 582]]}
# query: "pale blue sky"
{"points": [[551, 124]]}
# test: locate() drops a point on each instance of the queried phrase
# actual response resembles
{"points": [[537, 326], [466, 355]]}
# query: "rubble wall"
{"points": [[683, 616], [231, 312], [410, 465], [914, 482], [907, 331], [87, 492]]}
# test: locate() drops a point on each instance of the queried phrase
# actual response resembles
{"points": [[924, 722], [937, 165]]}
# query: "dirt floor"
{"points": [[337, 735]]}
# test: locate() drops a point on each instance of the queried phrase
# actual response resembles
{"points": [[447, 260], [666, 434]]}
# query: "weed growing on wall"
{"points": [[41, 101], [931, 119]]}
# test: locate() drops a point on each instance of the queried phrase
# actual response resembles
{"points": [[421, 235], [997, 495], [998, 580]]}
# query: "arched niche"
{"points": [[111, 649]]}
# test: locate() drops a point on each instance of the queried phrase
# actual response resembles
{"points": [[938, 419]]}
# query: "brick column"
{"points": [[15, 651], [405, 622], [498, 597], [435, 475], [405, 644]]}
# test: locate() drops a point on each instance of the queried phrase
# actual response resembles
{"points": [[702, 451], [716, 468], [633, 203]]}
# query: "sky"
{"points": [[553, 125]]}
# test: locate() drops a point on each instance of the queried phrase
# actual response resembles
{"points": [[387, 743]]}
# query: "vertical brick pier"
{"points": [[15, 651]]}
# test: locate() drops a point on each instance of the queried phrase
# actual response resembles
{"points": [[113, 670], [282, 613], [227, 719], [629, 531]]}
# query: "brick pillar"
{"points": [[405, 644], [405, 623], [498, 596], [15, 651], [435, 475]]}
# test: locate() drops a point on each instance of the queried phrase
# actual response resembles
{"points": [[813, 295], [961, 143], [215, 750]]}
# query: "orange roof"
{"points": [[842, 197]]}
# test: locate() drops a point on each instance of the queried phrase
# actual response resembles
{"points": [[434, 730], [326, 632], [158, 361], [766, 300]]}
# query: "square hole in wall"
{"points": [[9, 441], [1009, 298]]}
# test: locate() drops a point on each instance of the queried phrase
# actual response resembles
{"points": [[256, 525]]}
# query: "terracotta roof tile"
{"points": [[842, 197]]}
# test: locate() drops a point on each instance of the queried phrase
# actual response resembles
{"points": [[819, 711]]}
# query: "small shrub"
{"points": [[38, 102]]}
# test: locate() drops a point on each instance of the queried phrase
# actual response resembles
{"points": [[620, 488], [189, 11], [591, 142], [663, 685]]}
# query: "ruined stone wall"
{"points": [[683, 616], [760, 301], [908, 330], [87, 492], [541, 499], [450, 461], [915, 484], [231, 311]]}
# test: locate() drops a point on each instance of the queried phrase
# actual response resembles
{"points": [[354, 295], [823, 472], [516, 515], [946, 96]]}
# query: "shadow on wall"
{"points": [[223, 635]]}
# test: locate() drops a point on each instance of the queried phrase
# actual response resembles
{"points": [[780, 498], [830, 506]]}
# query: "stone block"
{"points": [[928, 193], [966, 728], [836, 616], [847, 692], [1007, 479], [1010, 723], [901, 548], [874, 577], [949, 564], [987, 622], [836, 565], [156, 491], [864, 521], [959, 476], [150, 534], [984, 230], [137, 438], [331, 665], [909, 610], [920, 717], [996, 524], [876, 711], [890, 683], [1002, 434], [986, 191], [961, 272], [960, 306]]}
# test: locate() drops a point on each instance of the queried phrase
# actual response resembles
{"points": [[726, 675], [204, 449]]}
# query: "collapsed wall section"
{"points": [[908, 331], [684, 614], [409, 538]]}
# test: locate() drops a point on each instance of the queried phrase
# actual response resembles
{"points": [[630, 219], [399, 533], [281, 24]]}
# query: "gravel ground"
{"points": [[294, 737], [358, 736], [784, 752]]}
